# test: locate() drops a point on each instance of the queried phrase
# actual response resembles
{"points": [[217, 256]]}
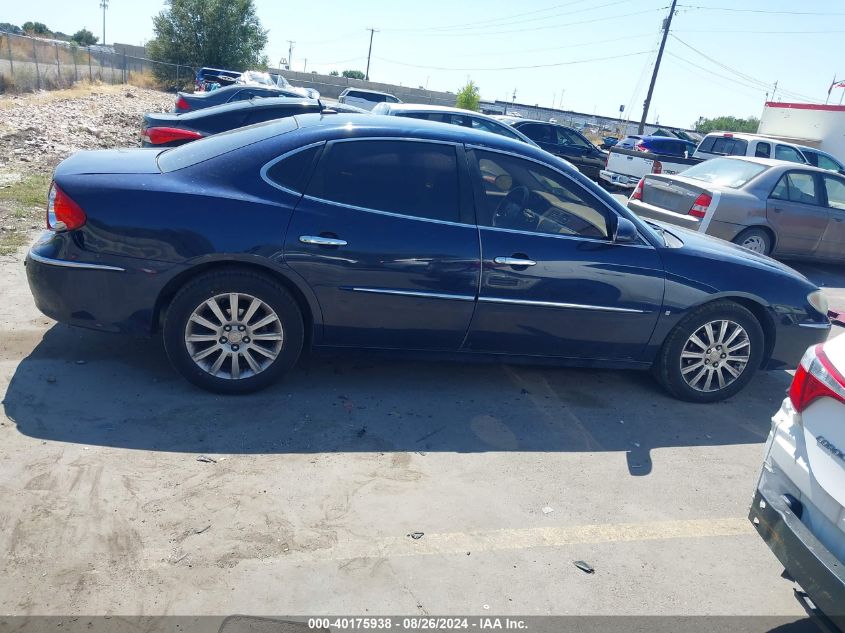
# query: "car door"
{"points": [[795, 211], [385, 239], [833, 240], [553, 282], [577, 149]]}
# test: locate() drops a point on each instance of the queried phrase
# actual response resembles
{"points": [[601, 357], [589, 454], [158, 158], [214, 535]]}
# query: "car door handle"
{"points": [[515, 261], [319, 240], [777, 209]]}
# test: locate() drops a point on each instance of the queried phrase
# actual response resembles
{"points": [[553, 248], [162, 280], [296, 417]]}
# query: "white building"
{"points": [[816, 125]]}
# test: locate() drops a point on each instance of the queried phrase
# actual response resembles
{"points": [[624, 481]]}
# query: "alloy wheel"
{"points": [[234, 336], [715, 355], [755, 243]]}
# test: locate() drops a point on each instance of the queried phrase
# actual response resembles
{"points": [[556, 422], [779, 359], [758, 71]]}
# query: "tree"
{"points": [[727, 124], [84, 37], [35, 28], [221, 33], [468, 97], [11, 28], [353, 74], [334, 73]]}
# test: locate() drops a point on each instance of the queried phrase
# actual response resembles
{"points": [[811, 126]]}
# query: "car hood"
{"points": [[696, 243], [110, 161]]}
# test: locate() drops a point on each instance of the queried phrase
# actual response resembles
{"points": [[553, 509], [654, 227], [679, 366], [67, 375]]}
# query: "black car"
{"points": [[359, 231], [563, 141], [188, 101], [169, 130]]}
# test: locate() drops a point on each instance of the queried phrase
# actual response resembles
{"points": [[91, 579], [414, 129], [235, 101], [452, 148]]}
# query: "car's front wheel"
{"points": [[233, 331], [712, 353]]}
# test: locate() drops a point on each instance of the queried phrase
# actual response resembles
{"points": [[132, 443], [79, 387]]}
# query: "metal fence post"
{"points": [[90, 74], [124, 65], [73, 52], [58, 67], [37, 72], [9, 48], [111, 56]]}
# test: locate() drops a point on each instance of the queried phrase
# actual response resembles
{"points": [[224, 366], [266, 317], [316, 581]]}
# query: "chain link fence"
{"points": [[30, 63]]}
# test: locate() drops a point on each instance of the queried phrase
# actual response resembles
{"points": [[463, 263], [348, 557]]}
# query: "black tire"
{"points": [[667, 368], [273, 295], [756, 236]]}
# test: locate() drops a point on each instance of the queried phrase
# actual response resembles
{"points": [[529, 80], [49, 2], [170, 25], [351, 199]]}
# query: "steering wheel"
{"points": [[510, 213]]}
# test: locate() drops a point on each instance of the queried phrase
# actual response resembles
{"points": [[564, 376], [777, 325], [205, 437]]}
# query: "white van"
{"points": [[366, 99], [718, 144]]}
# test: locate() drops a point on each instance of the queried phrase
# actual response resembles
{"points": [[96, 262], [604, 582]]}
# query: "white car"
{"points": [[799, 506], [366, 99]]}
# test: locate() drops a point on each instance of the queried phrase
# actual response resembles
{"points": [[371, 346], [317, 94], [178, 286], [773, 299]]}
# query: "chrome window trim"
{"points": [[395, 138], [278, 159], [555, 304], [560, 236], [63, 263], [411, 293]]}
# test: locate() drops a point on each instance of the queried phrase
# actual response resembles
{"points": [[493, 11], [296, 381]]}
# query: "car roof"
{"points": [[774, 163], [751, 137], [260, 103], [372, 92], [424, 107], [658, 137]]}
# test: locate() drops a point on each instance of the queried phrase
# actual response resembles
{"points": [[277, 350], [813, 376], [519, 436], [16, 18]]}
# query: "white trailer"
{"points": [[817, 125]]}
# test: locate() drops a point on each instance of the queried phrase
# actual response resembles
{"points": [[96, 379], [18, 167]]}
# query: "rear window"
{"points": [[213, 146], [667, 146], [729, 146], [725, 172]]}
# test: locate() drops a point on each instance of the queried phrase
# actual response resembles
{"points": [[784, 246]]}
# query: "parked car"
{"points": [[210, 80], [366, 99], [799, 503], [380, 232], [562, 141], [169, 130], [767, 206], [818, 158], [636, 156], [663, 145], [453, 116], [191, 101], [718, 144], [608, 142]]}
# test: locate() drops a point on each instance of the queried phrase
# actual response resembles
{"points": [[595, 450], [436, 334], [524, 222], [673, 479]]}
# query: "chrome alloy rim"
{"points": [[715, 356], [754, 243], [234, 336]]}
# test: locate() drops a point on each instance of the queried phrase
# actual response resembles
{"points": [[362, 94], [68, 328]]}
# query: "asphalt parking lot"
{"points": [[126, 490]]}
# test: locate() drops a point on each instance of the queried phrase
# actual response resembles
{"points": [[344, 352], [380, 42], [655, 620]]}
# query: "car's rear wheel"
{"points": [[712, 354], [233, 331], [756, 240]]}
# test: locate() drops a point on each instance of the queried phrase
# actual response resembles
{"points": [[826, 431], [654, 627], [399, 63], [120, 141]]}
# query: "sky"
{"points": [[722, 57]]}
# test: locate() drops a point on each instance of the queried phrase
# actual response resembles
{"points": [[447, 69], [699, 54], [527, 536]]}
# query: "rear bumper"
{"points": [[619, 180], [645, 210], [791, 341], [812, 566]]}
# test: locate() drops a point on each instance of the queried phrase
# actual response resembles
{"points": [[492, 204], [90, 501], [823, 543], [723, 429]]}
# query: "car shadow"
{"points": [[98, 389]]}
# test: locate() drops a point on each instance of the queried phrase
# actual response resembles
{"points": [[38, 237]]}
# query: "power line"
{"points": [[759, 32], [553, 48], [499, 68], [735, 10]]}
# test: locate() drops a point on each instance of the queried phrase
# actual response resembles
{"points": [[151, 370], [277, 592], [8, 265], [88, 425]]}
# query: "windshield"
{"points": [[725, 172]]}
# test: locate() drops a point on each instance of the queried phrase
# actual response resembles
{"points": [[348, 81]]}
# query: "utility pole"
{"points": [[104, 4], [290, 54], [369, 53], [667, 23], [774, 91]]}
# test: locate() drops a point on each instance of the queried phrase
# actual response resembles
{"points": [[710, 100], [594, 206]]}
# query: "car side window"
{"points": [[522, 195], [796, 187], [495, 128], [292, 171], [827, 163], [707, 144], [538, 132], [835, 192], [407, 177], [241, 95], [784, 152], [567, 137], [764, 150]]}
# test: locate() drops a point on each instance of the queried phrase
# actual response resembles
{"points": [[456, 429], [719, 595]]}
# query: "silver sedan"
{"points": [[768, 206]]}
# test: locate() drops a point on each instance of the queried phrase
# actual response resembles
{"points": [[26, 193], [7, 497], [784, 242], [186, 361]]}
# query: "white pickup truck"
{"points": [[625, 167]]}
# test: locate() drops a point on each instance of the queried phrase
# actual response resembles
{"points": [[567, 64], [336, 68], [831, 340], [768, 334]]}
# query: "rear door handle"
{"points": [[515, 261], [319, 240]]}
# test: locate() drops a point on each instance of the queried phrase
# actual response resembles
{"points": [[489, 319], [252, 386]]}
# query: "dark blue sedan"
{"points": [[353, 231]]}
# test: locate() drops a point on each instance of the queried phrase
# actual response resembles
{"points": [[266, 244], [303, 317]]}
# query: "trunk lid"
{"points": [[110, 161], [673, 193]]}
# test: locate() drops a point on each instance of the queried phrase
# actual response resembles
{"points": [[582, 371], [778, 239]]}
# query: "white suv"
{"points": [[366, 99], [718, 144], [799, 506]]}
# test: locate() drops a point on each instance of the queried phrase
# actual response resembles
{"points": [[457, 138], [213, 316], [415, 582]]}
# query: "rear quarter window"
{"points": [[291, 171]]}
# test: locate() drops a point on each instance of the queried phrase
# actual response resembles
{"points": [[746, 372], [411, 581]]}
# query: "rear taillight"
{"points": [[657, 167], [182, 103], [640, 147], [62, 212], [638, 191], [160, 135], [815, 378], [700, 206]]}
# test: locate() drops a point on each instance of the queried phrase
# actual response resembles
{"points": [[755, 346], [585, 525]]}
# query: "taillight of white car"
{"points": [[816, 377]]}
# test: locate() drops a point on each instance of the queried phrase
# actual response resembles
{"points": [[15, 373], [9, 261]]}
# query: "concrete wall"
{"points": [[331, 87]]}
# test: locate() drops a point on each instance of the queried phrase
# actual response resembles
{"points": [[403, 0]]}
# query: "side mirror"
{"points": [[626, 232]]}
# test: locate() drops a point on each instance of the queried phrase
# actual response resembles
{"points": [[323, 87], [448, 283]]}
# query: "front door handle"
{"points": [[515, 261], [319, 240]]}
